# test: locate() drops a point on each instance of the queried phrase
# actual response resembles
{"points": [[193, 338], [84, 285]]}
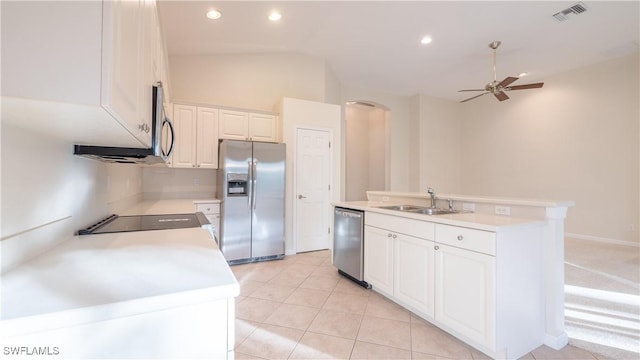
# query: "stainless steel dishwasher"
{"points": [[348, 244]]}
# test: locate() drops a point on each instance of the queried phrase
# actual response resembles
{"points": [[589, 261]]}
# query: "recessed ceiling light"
{"points": [[214, 14], [275, 16], [523, 74], [426, 40]]}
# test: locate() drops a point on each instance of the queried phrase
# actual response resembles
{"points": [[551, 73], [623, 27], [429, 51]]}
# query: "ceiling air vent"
{"points": [[563, 15]]}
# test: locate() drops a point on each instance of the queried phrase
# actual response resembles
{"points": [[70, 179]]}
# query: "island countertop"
{"points": [[97, 277], [473, 220]]}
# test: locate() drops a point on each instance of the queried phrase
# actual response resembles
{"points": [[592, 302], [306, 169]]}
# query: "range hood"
{"points": [[162, 141]]}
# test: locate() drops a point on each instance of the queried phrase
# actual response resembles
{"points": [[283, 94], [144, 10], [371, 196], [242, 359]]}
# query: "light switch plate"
{"points": [[468, 207], [503, 210]]}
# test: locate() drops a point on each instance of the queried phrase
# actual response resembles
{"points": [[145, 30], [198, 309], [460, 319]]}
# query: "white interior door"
{"points": [[313, 180]]}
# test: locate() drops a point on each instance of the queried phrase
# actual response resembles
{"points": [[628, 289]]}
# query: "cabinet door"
{"points": [[378, 259], [413, 283], [234, 125], [122, 67], [207, 138], [465, 293], [263, 127], [184, 121]]}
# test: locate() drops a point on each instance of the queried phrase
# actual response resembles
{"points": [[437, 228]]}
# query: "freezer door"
{"points": [[268, 199], [235, 206]]}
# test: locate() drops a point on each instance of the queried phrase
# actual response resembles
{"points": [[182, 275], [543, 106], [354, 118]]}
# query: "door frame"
{"points": [[295, 181]]}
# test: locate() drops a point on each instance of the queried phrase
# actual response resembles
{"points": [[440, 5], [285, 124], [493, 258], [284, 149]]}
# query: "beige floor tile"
{"points": [[383, 308], [320, 282], [385, 332], [318, 346], [528, 356], [255, 309], [568, 352], [241, 356], [336, 323], [365, 351], [346, 303], [271, 342], [327, 270], [477, 355], [293, 316], [429, 339], [301, 269], [416, 355], [308, 297], [247, 287], [286, 278], [244, 328], [272, 292], [262, 274], [347, 286], [310, 260]]}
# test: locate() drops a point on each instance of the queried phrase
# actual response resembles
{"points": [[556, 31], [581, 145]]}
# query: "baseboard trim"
{"points": [[602, 239], [556, 342]]}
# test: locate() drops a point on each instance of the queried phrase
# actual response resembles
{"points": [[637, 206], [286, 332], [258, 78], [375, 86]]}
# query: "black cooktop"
{"points": [[115, 223]]}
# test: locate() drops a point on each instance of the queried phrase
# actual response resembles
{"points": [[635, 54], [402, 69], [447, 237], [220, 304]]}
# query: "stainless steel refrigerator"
{"points": [[251, 188]]}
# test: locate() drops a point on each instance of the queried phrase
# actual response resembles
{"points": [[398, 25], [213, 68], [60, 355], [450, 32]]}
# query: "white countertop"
{"points": [[478, 221], [97, 277], [173, 206], [478, 199]]}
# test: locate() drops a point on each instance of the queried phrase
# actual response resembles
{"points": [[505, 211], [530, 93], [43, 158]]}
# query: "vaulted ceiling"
{"points": [[376, 44]]}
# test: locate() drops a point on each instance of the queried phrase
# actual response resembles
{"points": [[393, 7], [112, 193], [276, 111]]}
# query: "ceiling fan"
{"points": [[498, 88]]}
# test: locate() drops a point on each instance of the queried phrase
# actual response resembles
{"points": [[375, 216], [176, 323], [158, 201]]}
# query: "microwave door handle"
{"points": [[254, 189], [173, 138]]}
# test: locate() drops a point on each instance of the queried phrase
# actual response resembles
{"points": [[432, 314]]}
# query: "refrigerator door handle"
{"points": [[254, 189], [250, 185]]}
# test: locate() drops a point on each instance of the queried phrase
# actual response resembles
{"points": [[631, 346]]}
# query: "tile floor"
{"points": [[301, 308]]}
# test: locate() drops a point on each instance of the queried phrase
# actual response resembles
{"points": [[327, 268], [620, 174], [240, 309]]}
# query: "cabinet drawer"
{"points": [[208, 208], [413, 227], [465, 238]]}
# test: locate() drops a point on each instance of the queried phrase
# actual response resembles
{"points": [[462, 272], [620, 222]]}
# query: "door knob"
{"points": [[301, 197]]}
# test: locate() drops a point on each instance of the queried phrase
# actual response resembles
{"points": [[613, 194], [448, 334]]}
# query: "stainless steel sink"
{"points": [[420, 209], [434, 211], [402, 207]]}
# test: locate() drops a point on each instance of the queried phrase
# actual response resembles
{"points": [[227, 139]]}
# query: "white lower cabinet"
{"points": [[452, 276], [414, 274], [465, 293], [378, 259]]}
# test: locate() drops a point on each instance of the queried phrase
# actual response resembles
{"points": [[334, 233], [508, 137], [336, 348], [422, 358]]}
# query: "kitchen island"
{"points": [[147, 294], [493, 281]]}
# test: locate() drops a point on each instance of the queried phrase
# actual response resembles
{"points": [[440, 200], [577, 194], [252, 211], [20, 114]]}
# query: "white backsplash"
{"points": [[174, 183]]}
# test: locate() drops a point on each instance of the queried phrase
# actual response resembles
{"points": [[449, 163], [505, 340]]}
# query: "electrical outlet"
{"points": [[468, 207], [385, 198], [196, 182], [503, 210]]}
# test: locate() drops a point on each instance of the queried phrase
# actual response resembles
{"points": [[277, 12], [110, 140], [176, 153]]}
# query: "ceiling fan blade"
{"points": [[507, 81], [472, 90], [501, 96], [471, 98], [525, 86]]}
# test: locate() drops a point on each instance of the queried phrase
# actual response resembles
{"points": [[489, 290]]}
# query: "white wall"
{"points": [[302, 113], [439, 145], [249, 81], [48, 193], [399, 120], [574, 139], [168, 183]]}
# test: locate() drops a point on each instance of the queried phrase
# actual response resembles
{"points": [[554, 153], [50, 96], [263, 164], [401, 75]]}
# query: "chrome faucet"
{"points": [[433, 197]]}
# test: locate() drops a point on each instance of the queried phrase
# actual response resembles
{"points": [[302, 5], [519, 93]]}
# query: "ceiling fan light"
{"points": [[523, 74], [426, 40]]}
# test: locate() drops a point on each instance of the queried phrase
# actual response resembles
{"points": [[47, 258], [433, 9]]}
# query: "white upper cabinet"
{"points": [[82, 70], [196, 137], [240, 125]]}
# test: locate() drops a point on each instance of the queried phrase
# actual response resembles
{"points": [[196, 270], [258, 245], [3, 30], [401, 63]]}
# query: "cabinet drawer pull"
{"points": [[389, 235], [460, 237], [395, 236], [436, 247]]}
